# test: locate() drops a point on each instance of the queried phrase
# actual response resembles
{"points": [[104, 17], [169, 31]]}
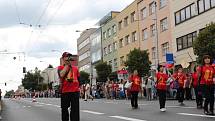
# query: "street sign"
{"points": [[169, 58]]}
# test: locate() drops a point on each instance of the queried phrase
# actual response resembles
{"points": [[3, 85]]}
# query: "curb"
{"points": [[0, 109]]}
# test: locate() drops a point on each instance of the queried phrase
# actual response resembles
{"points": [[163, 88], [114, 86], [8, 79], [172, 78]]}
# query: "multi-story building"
{"points": [[95, 52], [189, 17], [83, 47], [127, 35], [155, 29], [109, 39]]}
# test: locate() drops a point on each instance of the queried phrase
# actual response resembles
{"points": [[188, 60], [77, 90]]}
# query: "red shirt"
{"points": [[180, 77], [161, 80], [135, 83], [207, 73], [68, 86], [195, 79]]}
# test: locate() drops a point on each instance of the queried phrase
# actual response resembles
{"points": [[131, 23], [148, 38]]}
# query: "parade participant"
{"points": [[161, 87], [135, 88], [179, 77], [69, 88], [198, 92], [206, 74]]}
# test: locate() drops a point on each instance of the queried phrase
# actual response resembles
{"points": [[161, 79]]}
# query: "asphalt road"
{"points": [[101, 110]]}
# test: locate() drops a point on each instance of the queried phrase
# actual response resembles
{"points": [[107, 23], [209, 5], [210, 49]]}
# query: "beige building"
{"points": [[84, 46], [189, 17], [155, 29], [127, 35]]}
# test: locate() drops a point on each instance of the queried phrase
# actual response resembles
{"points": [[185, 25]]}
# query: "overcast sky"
{"points": [[36, 27]]}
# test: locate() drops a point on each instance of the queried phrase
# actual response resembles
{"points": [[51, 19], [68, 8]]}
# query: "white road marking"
{"points": [[29, 106], [92, 112], [198, 115], [126, 118]]}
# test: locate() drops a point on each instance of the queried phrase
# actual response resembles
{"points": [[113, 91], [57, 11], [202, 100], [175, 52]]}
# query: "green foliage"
{"points": [[205, 42], [84, 77], [8, 94], [103, 70], [113, 76], [32, 80], [50, 66], [138, 60]]}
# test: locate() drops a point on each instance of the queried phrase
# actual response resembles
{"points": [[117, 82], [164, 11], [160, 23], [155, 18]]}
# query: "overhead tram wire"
{"points": [[43, 13], [17, 12]]}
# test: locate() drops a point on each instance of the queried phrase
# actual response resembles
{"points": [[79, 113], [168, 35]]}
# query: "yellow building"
{"points": [[127, 36]]}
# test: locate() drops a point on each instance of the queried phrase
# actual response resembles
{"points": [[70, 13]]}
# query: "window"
{"points": [[179, 44], [109, 32], [143, 13], [104, 35], [151, 8], [127, 40], [185, 14], [134, 36], [109, 48], [83, 44], [201, 6], [193, 9], [133, 17], [187, 11], [152, 29], [120, 25], [114, 29], [126, 21], [207, 4], [105, 51], [177, 17], [122, 60], [165, 48], [153, 53], [84, 56], [121, 44], [144, 34], [163, 3], [115, 45], [186, 41], [115, 63], [164, 24]]}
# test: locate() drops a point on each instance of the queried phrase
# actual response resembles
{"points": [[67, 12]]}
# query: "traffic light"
{"points": [[5, 84], [24, 70]]}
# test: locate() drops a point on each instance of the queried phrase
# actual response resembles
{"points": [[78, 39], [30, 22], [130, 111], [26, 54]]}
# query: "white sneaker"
{"points": [[163, 109]]}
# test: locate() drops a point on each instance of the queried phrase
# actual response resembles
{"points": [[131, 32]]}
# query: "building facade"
{"points": [[155, 29], [189, 18], [95, 52], [109, 39], [127, 35], [83, 47]]}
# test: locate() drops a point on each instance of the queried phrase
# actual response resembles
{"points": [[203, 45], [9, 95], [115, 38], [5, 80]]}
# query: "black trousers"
{"points": [[70, 99], [134, 99], [180, 94], [209, 96], [188, 93], [198, 93], [162, 98]]}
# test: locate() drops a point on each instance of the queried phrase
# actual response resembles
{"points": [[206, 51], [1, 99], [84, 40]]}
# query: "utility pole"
{"points": [[156, 36]]}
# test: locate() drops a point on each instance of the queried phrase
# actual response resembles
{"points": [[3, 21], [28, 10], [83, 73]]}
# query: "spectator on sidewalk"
{"points": [[149, 88], [87, 92]]}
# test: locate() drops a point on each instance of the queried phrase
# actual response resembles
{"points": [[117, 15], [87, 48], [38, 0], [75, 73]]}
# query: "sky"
{"points": [[31, 29]]}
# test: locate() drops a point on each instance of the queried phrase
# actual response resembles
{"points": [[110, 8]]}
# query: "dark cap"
{"points": [[66, 54]]}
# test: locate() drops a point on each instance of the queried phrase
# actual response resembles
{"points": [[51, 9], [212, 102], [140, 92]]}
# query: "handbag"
{"points": [[128, 85]]}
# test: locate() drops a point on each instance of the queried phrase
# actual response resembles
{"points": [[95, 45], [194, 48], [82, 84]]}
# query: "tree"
{"points": [[103, 70], [50, 66], [138, 60], [113, 76], [84, 77], [205, 42], [32, 80]]}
